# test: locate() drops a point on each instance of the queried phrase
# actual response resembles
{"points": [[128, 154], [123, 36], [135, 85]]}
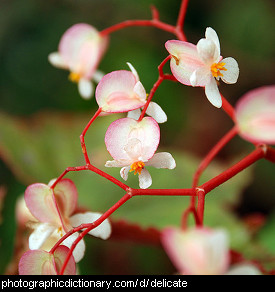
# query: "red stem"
{"points": [[228, 108], [181, 18], [83, 145], [235, 169]]}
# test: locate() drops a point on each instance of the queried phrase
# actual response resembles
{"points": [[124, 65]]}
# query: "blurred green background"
{"points": [[42, 116]]}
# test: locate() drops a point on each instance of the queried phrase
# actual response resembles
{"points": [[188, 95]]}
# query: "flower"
{"points": [[40, 262], [202, 64], [80, 49], [54, 211], [120, 91], [255, 115], [202, 251], [133, 144]]}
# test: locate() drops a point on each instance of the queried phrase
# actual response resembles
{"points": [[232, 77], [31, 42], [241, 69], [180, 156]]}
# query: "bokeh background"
{"points": [[42, 116]]}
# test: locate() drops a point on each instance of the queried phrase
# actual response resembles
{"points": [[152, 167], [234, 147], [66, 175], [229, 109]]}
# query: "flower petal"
{"points": [[60, 256], [117, 163], [66, 195], [39, 200], [207, 51], [122, 130], [201, 77], [134, 149], [79, 250], [255, 115], [185, 60], [116, 92], [156, 112], [243, 269], [56, 60], [197, 251], [212, 93], [134, 114], [211, 35], [133, 70], [162, 160], [36, 262], [85, 88], [40, 234], [102, 231], [124, 172], [145, 179], [231, 75]]}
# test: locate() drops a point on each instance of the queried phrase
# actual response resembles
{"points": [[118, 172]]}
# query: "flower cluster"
{"points": [[132, 142]]}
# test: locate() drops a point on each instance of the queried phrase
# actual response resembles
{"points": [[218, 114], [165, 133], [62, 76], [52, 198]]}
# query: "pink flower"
{"points": [[133, 144], [40, 262], [255, 115], [202, 251], [202, 64], [54, 211], [80, 50], [120, 91]]}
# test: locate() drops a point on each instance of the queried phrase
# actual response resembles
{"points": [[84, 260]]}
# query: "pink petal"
{"points": [[39, 200], [36, 262], [66, 196], [255, 115], [121, 131], [185, 61], [197, 251], [81, 48], [60, 256], [117, 92]]}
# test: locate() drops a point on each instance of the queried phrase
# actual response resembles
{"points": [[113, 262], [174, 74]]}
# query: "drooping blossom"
{"points": [[202, 251], [133, 144], [55, 214], [255, 115], [80, 50], [202, 64], [41, 262]]}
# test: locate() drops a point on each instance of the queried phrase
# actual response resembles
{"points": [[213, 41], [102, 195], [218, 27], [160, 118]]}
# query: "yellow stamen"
{"points": [[74, 77], [216, 68], [137, 167], [59, 230]]}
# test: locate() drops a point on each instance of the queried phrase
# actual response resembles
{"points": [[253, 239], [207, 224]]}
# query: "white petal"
{"points": [[85, 88], [211, 34], [116, 163], [231, 75], [156, 112], [162, 160], [135, 114], [56, 60], [98, 75], [40, 235], [201, 77], [213, 94], [102, 231], [79, 250], [140, 91], [133, 148], [243, 269], [145, 179], [207, 51], [124, 172], [134, 71]]}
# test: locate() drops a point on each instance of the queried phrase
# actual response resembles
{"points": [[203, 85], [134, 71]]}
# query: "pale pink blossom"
{"points": [[202, 251], [80, 50], [55, 214], [202, 64], [255, 115], [133, 144], [120, 91], [41, 262]]}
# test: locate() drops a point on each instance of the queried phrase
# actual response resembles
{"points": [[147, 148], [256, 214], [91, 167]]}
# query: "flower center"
{"points": [[74, 77], [137, 167], [216, 68]]}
